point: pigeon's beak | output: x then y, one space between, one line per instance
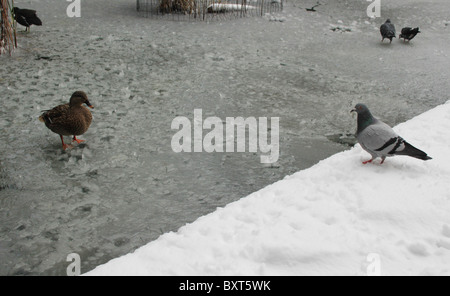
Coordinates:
353 110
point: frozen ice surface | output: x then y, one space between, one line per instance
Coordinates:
124 186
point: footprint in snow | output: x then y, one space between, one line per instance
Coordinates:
446 231
418 249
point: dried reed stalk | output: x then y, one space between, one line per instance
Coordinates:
7 38
209 9
186 6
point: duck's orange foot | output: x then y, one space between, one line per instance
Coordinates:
65 146
77 140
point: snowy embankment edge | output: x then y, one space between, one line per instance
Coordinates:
325 220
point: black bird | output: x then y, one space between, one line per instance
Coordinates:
313 9
26 17
409 33
387 30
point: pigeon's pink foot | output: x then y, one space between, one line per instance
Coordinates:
382 161
366 162
77 140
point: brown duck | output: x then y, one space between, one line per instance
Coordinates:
69 119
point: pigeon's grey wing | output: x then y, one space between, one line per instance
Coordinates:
383 30
380 139
387 30
392 28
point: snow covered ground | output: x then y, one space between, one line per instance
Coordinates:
331 219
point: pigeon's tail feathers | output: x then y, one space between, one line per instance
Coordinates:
390 33
412 151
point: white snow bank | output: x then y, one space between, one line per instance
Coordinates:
325 220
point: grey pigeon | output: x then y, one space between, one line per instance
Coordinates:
387 30
380 140
409 33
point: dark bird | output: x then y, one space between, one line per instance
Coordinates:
387 30
70 119
26 17
409 33
380 140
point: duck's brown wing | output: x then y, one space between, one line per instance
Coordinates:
56 119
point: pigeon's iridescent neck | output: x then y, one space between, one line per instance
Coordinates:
364 120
